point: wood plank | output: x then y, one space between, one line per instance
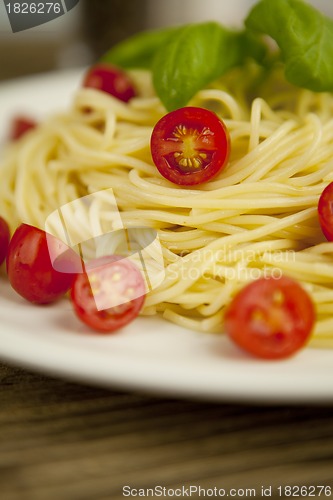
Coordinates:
64 440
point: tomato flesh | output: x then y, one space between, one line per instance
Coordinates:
190 145
20 126
110 79
109 295
271 318
325 212
4 239
29 267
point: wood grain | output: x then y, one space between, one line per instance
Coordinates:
60 440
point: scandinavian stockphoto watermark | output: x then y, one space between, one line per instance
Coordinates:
231 264
24 15
93 228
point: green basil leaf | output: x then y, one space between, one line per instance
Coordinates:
193 57
304 36
252 47
138 50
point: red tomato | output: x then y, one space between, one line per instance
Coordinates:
271 317
190 145
29 267
110 79
325 212
21 125
109 295
4 239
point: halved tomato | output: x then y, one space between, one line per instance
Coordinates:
271 317
30 269
110 294
20 126
190 145
325 212
110 79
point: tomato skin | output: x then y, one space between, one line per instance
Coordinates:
110 79
4 239
270 318
325 212
190 145
101 273
20 126
29 267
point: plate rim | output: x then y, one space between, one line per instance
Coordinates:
144 380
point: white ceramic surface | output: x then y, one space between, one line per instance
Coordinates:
150 354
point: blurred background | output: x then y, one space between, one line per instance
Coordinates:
79 37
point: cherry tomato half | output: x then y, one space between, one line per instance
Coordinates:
325 212
29 267
110 79
20 126
4 239
270 318
109 295
190 145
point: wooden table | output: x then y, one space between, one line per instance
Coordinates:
60 440
64 441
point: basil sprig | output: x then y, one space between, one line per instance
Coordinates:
138 51
192 58
304 36
185 59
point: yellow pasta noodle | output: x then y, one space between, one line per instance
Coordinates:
257 217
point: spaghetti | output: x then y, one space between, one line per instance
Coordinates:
257 217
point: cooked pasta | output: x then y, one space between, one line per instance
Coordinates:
257 217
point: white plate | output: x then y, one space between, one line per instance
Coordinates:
150 354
